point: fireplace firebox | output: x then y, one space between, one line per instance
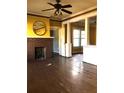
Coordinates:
40 53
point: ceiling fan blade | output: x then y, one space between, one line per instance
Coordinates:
69 12
51 4
66 6
48 9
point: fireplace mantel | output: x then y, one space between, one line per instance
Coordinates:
39 37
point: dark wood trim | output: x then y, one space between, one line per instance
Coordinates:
65 26
55 20
42 16
79 14
37 15
78 52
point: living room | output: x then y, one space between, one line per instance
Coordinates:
59 37
94 65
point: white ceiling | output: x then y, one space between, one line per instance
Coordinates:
36 6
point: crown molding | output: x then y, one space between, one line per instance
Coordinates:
32 14
37 15
80 13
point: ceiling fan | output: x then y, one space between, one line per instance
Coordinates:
59 8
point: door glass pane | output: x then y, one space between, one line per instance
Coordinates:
76 42
76 37
83 34
76 33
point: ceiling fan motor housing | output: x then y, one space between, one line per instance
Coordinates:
58 1
58 6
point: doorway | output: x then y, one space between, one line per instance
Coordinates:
55 33
78 36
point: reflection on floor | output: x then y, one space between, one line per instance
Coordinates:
62 75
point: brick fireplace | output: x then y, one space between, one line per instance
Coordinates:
39 48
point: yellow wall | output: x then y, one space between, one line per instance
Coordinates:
31 20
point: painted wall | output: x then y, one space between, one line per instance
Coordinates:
31 20
90 54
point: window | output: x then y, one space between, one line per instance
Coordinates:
78 38
83 40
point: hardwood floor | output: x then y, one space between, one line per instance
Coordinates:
61 75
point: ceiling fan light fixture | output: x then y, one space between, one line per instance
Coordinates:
58 12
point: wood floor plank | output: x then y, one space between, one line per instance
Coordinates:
61 75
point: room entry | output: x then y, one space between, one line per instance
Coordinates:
55 34
78 36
